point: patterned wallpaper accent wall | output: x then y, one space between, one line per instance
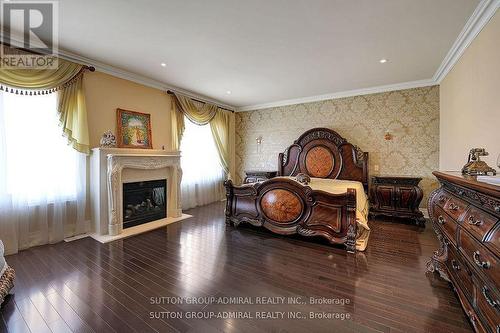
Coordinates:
411 116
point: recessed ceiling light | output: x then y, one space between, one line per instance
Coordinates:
228 92
163 64
383 61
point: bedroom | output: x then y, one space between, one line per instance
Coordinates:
262 166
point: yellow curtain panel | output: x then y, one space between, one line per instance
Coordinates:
66 79
218 119
220 131
177 119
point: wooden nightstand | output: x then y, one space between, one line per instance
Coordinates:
258 176
397 196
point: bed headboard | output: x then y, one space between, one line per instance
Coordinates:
323 153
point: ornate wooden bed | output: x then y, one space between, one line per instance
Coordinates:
285 206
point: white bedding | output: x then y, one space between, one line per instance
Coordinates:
337 186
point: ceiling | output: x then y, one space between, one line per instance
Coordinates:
266 50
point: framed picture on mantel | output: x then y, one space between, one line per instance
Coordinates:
134 129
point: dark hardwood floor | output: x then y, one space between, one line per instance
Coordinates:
85 286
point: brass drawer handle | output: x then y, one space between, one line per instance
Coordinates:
441 219
477 260
453 206
455 265
442 198
486 295
473 221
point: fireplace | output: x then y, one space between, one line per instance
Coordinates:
144 202
110 168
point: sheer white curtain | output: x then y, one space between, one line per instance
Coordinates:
202 173
42 179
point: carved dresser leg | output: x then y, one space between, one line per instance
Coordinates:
437 262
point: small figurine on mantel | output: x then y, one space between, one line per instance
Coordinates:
108 140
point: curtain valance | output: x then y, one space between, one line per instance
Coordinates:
200 115
207 113
67 79
40 81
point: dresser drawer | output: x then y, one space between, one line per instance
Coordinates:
455 207
460 273
478 222
488 304
479 256
447 224
473 267
441 199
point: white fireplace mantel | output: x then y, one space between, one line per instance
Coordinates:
118 162
112 167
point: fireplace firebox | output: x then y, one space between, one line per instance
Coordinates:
144 202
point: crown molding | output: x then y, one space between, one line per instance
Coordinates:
137 78
342 94
479 18
123 74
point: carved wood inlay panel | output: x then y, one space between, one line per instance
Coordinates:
281 205
319 162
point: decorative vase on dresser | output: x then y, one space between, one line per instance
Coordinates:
465 215
397 196
254 176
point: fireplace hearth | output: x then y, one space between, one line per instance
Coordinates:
144 202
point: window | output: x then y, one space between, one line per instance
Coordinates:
36 162
202 174
42 179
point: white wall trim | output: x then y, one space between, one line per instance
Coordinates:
481 16
342 94
478 20
124 74
137 78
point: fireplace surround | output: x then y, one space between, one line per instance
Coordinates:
111 168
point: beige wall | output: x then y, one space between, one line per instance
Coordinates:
412 116
470 101
105 93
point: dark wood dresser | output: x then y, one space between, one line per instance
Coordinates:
397 196
465 215
253 176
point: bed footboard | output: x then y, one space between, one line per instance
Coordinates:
286 207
